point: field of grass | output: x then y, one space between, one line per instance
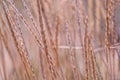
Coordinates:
59 39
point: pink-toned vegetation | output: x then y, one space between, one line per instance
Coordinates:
59 39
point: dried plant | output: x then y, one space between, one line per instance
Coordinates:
59 40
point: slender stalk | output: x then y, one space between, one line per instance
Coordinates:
3 58
49 58
72 55
19 45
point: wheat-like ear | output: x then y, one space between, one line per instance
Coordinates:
56 46
49 58
85 39
27 25
5 42
79 21
86 51
92 60
19 42
71 53
30 15
43 35
109 7
10 24
24 46
50 36
35 26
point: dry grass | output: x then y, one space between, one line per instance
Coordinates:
59 40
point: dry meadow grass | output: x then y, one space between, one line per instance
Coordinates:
59 39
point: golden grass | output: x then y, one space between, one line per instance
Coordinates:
59 40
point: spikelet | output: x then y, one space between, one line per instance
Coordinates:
79 19
49 58
35 26
6 43
37 38
85 42
23 45
107 34
86 51
19 40
92 60
50 36
71 53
